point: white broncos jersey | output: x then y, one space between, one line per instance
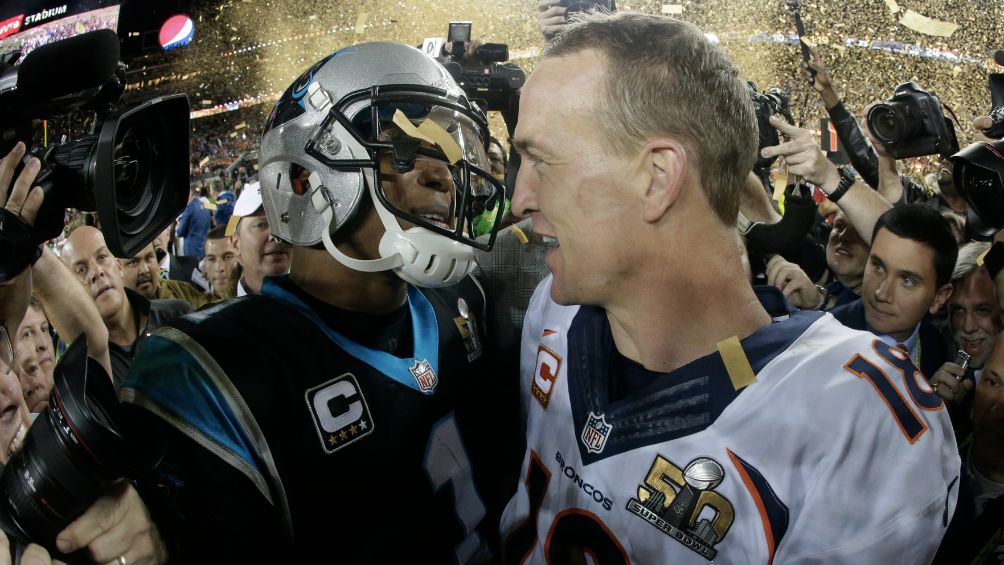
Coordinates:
839 452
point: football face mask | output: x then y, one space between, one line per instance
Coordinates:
407 133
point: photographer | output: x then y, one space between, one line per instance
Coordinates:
859 210
804 159
118 526
871 161
898 189
23 203
552 15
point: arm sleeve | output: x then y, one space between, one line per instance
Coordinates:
183 221
862 156
875 496
202 495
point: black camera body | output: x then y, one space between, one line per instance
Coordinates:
996 129
911 124
978 170
767 104
492 83
132 168
575 6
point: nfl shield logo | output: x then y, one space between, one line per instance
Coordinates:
596 432
424 376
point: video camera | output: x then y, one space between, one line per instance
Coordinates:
132 168
911 124
766 104
490 83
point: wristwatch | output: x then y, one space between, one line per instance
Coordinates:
847 178
826 296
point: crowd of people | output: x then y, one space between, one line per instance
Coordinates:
364 339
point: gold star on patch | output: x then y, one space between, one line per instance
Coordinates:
332 439
354 430
343 435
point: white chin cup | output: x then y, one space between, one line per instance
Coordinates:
427 258
419 256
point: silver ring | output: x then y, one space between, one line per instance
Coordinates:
121 560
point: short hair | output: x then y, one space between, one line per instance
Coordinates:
966 262
927 227
219 232
36 303
664 77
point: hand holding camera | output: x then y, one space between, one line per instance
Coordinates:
911 124
24 200
553 14
550 17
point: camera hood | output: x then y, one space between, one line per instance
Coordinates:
979 177
140 171
133 172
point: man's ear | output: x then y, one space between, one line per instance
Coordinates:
665 170
940 297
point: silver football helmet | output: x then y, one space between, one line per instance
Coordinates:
363 108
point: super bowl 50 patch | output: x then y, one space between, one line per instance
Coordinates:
468 327
672 501
339 411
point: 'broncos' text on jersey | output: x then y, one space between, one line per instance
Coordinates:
839 452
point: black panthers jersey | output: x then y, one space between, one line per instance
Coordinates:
289 440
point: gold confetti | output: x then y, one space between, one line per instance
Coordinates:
867 51
431 132
924 24
893 6
672 9
520 234
361 23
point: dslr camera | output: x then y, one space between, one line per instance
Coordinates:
82 443
489 82
766 104
131 168
911 124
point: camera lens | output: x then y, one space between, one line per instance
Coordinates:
72 453
135 159
894 122
886 123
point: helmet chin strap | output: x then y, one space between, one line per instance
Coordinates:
419 256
